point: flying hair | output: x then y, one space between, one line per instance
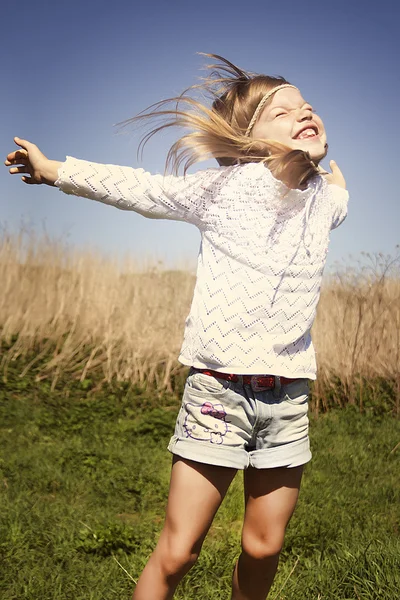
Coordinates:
217 116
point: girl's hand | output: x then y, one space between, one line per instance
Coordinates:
335 177
33 163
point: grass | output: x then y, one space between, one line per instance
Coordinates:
83 484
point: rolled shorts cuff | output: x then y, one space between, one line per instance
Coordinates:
290 455
222 457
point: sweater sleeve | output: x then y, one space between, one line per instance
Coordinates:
153 196
339 200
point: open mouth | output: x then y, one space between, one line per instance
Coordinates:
307 133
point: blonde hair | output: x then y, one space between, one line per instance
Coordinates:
219 130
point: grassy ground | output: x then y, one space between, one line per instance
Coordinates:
84 479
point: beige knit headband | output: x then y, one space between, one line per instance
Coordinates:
262 103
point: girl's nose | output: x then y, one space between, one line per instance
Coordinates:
305 113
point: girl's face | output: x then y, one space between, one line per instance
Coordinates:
289 119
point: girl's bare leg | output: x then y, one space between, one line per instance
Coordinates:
195 494
270 497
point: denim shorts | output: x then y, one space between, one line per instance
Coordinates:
228 424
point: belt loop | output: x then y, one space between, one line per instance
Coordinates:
277 387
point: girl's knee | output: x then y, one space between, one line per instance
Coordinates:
178 563
258 547
176 558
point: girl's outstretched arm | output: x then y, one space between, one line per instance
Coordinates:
154 196
32 163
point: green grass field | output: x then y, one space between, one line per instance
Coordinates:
84 480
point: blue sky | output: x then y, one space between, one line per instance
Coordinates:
72 70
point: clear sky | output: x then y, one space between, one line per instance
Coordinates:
71 70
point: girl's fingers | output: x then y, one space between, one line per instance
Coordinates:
19 170
26 161
29 180
337 174
17 156
23 143
16 161
335 177
335 168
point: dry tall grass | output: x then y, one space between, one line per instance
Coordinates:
357 329
85 315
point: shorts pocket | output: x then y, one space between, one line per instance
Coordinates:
199 383
297 392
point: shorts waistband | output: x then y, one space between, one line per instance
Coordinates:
256 382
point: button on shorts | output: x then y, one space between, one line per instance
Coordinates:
226 423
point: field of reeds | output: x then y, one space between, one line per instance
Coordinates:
94 319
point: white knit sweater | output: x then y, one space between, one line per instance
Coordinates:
262 255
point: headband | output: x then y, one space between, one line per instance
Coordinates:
262 103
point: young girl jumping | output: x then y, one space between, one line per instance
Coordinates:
265 215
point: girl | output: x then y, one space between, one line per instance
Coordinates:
265 216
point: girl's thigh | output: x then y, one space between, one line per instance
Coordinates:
195 494
270 499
